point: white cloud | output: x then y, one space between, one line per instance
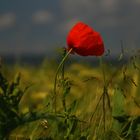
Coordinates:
42 17
7 20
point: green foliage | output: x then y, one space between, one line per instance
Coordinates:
125 126
92 109
10 96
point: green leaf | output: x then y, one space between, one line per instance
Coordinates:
118 103
17 79
66 89
118 112
3 83
73 125
72 107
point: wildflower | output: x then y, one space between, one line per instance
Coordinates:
85 41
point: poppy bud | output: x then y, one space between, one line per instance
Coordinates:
85 41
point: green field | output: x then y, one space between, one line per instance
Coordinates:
91 102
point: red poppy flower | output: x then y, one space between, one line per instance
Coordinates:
85 41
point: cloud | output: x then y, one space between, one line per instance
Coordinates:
137 1
101 13
7 20
115 19
104 14
88 7
77 8
108 5
42 17
65 26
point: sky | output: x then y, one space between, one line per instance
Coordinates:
41 26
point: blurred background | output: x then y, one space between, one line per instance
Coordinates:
39 27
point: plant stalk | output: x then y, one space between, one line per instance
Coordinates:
57 71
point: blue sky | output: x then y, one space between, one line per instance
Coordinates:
41 26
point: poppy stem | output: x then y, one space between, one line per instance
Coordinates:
57 71
63 65
63 79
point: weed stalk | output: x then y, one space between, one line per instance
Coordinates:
56 75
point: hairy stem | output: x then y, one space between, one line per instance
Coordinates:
57 71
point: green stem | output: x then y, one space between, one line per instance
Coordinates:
104 113
57 71
63 78
63 65
95 109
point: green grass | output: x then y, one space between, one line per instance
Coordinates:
77 115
